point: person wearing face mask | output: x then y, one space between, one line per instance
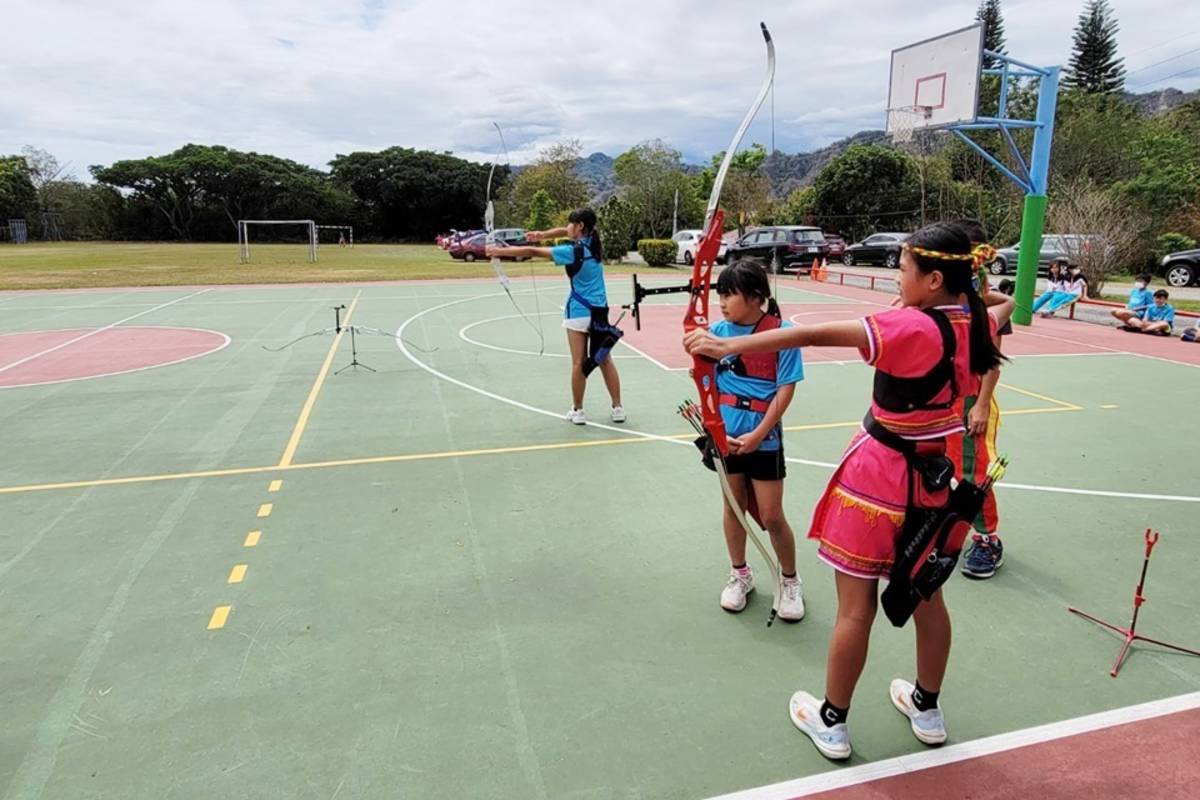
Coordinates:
1074 289
1140 299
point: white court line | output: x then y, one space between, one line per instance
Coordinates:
134 369
657 437
263 301
951 754
91 333
462 334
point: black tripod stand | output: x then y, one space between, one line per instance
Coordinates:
355 330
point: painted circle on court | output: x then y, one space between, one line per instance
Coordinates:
35 358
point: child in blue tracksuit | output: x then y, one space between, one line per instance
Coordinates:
754 391
1158 319
1140 298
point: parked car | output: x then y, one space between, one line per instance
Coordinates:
512 236
837 245
781 247
1056 247
475 248
1182 268
687 241
878 248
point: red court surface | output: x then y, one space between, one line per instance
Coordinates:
31 358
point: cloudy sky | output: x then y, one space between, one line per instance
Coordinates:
100 81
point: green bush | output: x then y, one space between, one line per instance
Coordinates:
1172 243
563 240
656 252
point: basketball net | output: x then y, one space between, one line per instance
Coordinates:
904 121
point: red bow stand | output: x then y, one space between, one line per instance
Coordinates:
1131 633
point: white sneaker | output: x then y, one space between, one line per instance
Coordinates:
733 596
576 416
928 726
618 414
791 605
832 740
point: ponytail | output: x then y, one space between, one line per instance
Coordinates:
773 308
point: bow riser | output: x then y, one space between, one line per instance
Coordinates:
704 371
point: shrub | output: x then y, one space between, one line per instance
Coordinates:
1172 243
656 252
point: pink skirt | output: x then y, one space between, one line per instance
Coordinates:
857 519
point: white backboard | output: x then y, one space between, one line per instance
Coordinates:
939 74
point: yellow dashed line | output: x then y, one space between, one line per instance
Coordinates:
1110 406
275 486
237 574
265 509
252 539
219 615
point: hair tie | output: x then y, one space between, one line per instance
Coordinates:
983 254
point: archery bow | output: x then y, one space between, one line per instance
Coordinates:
704 369
489 224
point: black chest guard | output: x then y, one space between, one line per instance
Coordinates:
916 394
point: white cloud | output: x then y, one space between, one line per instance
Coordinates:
306 80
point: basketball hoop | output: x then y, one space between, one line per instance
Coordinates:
904 121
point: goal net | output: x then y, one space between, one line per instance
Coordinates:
308 227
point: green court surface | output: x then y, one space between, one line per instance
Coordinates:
243 576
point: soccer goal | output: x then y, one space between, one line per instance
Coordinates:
342 234
309 227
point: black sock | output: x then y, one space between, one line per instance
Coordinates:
923 699
832 715
789 577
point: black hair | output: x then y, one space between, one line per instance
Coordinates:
974 230
1145 278
1057 266
747 278
951 239
1007 286
587 218
1163 293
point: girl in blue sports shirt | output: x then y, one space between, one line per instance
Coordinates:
755 390
587 299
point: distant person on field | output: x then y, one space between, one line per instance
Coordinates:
341 240
1158 319
1140 298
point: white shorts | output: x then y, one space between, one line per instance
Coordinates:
581 324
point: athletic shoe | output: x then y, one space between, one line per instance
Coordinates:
618 414
928 726
791 605
832 740
576 416
739 587
984 558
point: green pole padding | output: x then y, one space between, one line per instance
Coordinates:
1032 225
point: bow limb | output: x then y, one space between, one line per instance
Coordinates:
489 224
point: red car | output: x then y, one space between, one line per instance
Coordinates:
837 245
473 248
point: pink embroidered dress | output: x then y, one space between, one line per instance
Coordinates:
860 513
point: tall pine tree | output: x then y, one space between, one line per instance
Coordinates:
1095 67
993 30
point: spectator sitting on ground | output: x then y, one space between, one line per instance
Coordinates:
1140 298
1056 284
1159 318
1074 289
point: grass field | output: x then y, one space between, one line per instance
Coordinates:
75 265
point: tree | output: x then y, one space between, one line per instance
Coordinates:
617 220
1094 67
993 31
650 174
1085 208
165 181
866 188
1093 139
746 192
1169 175
554 173
541 211
18 196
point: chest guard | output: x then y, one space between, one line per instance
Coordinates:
763 366
899 395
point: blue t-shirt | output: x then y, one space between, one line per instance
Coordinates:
1139 299
1164 313
790 369
588 282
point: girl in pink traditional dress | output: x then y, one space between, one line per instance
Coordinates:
925 354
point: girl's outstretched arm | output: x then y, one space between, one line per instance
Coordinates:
553 233
849 333
524 251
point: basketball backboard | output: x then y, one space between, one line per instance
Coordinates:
935 83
